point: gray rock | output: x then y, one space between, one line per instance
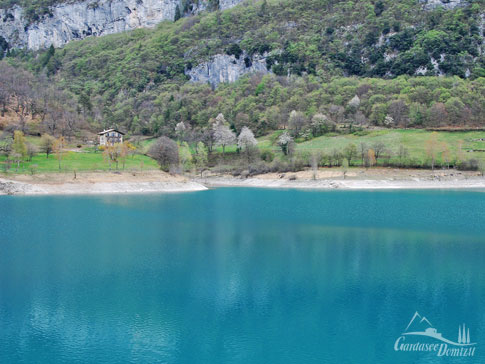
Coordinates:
70 21
447 4
223 68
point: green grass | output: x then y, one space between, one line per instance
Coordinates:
412 139
79 161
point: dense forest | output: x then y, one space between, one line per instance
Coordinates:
352 62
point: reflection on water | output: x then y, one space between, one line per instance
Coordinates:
236 275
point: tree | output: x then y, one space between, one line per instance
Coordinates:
31 151
177 13
296 122
389 121
126 148
185 156
363 152
481 167
47 144
350 152
223 135
345 167
165 151
112 153
320 124
201 157
446 154
402 154
314 157
432 148
399 112
58 148
180 130
285 141
353 104
438 116
19 147
459 156
247 142
371 157
378 148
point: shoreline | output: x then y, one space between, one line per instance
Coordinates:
90 183
333 184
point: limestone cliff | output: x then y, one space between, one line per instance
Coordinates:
224 68
70 21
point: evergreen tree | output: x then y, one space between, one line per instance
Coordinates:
177 13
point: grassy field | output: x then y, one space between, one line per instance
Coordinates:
79 161
415 141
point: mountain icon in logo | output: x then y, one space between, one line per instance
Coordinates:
418 323
421 326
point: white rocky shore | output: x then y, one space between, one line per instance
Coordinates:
8 187
96 183
160 182
475 183
356 178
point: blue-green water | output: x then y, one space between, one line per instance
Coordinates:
238 276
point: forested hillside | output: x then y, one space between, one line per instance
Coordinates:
354 62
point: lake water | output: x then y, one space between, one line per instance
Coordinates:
239 276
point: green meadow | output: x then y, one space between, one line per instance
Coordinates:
415 141
463 146
79 161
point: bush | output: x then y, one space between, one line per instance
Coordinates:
468 165
267 156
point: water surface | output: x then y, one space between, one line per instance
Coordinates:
238 276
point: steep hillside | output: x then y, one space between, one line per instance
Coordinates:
147 80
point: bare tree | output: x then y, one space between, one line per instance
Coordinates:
47 144
363 152
59 148
402 154
166 152
350 152
379 148
399 112
432 148
32 150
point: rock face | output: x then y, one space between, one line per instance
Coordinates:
223 68
78 20
447 4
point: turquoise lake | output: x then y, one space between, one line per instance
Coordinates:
239 276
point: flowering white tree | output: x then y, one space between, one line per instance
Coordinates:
296 122
354 103
246 141
220 119
389 120
319 124
285 141
180 129
223 135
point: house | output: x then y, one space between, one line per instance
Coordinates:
110 137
